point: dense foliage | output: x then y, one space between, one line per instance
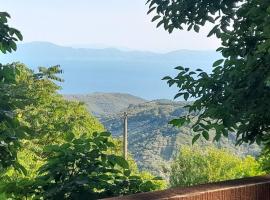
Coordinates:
17 93
196 165
53 148
8 35
154 143
42 115
236 95
10 129
82 169
71 133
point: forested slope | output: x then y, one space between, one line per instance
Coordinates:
103 104
152 141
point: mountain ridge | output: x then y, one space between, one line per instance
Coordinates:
106 104
109 70
110 48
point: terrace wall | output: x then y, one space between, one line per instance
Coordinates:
254 188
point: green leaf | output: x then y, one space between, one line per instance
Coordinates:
211 19
190 27
196 28
205 135
179 68
225 132
105 134
19 35
195 138
170 82
217 137
127 172
167 78
186 69
147 2
69 136
155 18
218 62
21 168
191 73
178 122
170 29
178 95
186 96
121 162
213 31
157 178
4 14
150 10
160 23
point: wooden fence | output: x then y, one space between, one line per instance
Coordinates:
254 188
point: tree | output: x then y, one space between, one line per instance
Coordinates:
17 87
8 94
196 165
74 135
8 35
43 117
235 96
78 163
82 169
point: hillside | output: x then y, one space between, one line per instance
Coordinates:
153 142
104 104
88 70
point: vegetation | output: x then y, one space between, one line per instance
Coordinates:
196 165
104 104
81 169
76 148
10 129
154 143
50 119
53 148
9 35
235 96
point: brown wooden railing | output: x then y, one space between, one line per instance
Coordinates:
254 188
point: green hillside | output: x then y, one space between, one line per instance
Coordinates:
103 104
152 141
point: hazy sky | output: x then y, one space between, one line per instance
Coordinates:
116 23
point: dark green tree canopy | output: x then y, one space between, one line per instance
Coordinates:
8 35
8 123
236 95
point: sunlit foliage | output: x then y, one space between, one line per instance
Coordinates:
195 165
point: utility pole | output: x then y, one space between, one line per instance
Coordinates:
125 136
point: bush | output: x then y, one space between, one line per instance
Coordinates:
196 165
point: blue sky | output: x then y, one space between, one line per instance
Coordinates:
99 23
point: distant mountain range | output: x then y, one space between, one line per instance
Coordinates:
108 70
152 141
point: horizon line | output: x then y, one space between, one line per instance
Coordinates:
122 49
